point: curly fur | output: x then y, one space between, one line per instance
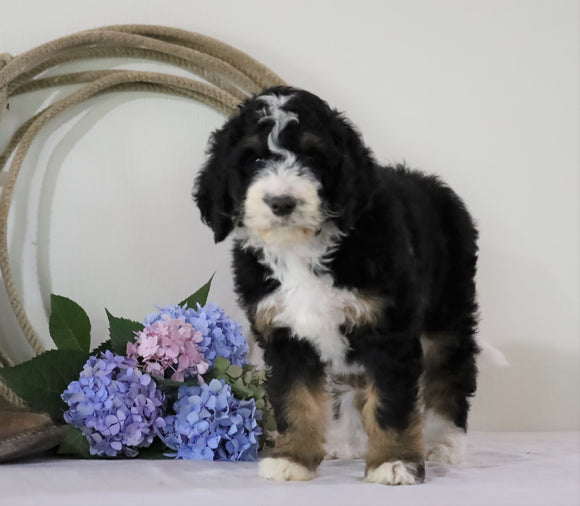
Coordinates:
345 267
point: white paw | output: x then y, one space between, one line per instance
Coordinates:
444 442
448 452
345 444
281 469
393 473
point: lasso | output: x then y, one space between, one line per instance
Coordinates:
229 76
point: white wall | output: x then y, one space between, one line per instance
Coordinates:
484 93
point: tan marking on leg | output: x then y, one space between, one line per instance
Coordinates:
434 347
306 414
435 379
444 441
390 445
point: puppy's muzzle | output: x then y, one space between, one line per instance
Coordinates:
281 205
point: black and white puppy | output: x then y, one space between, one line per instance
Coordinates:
351 270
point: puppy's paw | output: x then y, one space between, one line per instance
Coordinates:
280 469
444 441
396 473
445 453
350 448
448 450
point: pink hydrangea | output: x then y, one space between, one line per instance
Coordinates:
169 348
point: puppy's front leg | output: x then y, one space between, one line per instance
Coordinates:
391 415
296 387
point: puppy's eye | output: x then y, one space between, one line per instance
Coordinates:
251 159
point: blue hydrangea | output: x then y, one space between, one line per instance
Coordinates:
222 336
116 406
211 424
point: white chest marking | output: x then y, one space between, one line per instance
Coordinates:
311 307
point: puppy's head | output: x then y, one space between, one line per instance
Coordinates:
284 166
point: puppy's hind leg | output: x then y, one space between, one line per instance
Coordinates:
449 381
392 416
449 346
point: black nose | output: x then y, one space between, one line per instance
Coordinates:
282 205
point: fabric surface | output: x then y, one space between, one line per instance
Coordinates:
501 469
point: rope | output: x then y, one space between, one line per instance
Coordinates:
227 75
5 360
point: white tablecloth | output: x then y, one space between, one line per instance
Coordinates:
501 469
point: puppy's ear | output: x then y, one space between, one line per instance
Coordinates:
218 187
356 168
212 194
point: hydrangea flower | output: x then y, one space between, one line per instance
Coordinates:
222 336
211 424
116 406
169 347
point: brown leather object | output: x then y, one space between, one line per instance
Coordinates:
26 433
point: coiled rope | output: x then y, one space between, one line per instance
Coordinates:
229 76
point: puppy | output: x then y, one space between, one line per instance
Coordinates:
351 270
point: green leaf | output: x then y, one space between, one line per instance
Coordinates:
155 451
102 347
221 364
199 297
74 443
244 393
42 380
234 371
172 384
122 331
270 423
69 325
240 390
214 373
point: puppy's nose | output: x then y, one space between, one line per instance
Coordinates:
281 205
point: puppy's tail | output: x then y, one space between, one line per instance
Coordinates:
490 356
